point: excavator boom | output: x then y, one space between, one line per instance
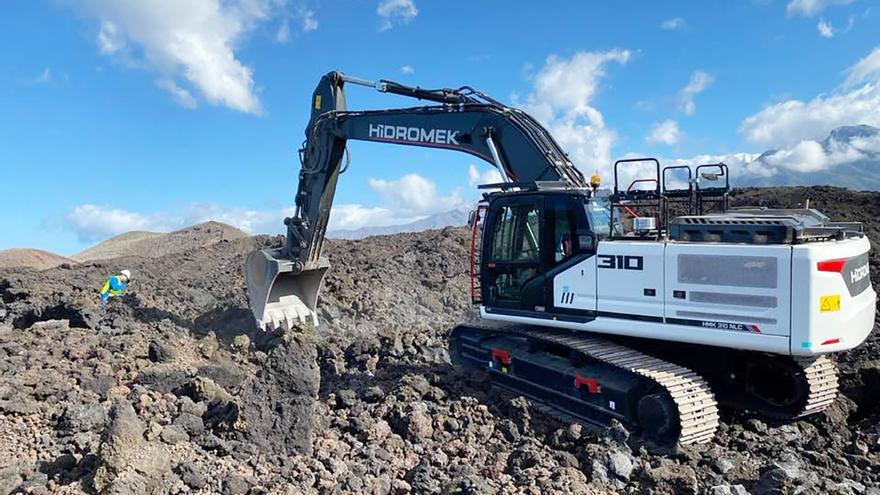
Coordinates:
283 284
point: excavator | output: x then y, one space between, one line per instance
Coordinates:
652 303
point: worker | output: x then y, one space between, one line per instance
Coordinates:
115 286
563 248
563 237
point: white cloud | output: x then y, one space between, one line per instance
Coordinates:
356 216
283 34
792 121
731 159
306 19
699 81
809 8
404 200
826 30
812 156
407 69
309 23
92 222
740 164
110 40
666 132
181 95
562 100
412 192
672 24
804 156
191 43
866 69
850 23
487 176
249 220
789 122
395 12
42 78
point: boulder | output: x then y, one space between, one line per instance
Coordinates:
82 418
128 462
277 404
620 464
161 352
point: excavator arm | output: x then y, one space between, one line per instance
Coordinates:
283 284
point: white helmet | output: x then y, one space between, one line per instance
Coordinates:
126 274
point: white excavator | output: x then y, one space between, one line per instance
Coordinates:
650 304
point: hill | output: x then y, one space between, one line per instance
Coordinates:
31 258
115 246
154 244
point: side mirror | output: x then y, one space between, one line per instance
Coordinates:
473 217
586 242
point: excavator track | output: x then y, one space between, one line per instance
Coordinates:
667 385
698 412
773 386
822 381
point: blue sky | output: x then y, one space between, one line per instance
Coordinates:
152 114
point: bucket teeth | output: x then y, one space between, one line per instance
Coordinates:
288 314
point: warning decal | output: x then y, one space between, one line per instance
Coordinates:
829 303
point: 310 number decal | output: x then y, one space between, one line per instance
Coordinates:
621 262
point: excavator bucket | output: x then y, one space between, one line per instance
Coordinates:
281 296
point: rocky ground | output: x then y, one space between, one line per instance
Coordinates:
173 390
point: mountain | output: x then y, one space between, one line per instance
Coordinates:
154 244
31 258
452 218
849 157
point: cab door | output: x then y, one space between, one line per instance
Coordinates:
512 253
571 268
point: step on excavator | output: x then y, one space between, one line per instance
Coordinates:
652 303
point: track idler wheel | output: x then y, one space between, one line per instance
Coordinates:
658 418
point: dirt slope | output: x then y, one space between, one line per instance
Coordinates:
116 246
31 258
177 370
154 244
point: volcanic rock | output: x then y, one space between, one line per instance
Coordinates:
177 374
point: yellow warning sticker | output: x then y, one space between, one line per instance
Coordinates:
317 102
829 303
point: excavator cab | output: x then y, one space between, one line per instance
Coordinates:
529 236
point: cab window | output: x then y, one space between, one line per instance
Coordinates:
599 211
517 235
516 250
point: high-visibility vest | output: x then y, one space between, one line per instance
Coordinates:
113 287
